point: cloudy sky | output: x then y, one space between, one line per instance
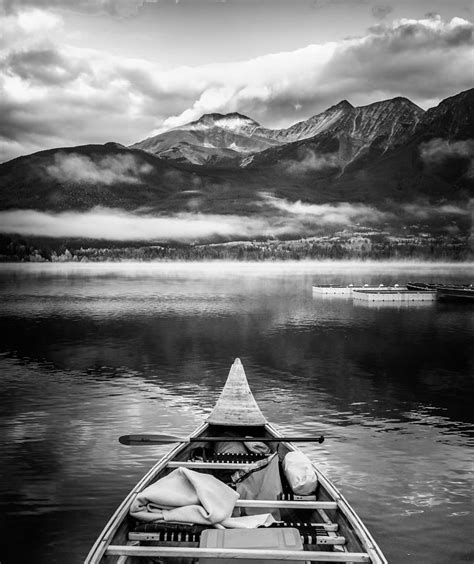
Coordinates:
92 71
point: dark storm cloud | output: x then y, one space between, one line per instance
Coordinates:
381 12
43 65
18 122
413 58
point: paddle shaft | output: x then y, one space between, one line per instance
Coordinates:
166 439
259 439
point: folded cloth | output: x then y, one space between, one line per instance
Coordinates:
257 447
185 496
231 447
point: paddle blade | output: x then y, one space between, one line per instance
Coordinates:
142 439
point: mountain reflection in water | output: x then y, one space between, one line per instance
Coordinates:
91 352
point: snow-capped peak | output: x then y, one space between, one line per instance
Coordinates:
235 122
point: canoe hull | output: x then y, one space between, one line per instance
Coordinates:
340 534
464 295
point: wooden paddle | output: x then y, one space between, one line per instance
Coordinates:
166 439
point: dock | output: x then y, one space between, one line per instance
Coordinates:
336 290
411 293
392 295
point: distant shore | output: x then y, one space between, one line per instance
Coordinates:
344 245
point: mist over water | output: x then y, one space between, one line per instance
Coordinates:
91 352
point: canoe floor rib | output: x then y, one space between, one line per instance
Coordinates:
325 518
239 554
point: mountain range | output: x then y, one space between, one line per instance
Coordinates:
383 154
235 139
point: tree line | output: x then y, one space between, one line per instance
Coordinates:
19 249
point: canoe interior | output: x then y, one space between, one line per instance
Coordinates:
348 525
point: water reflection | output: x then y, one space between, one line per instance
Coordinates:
91 353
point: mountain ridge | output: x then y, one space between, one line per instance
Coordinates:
214 135
430 160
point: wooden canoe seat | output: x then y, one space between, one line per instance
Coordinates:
308 536
247 457
206 460
196 530
201 465
223 460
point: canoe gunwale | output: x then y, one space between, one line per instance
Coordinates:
369 544
99 548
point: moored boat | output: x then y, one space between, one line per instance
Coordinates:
301 525
455 294
434 286
422 286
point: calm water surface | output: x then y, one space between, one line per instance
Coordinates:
91 352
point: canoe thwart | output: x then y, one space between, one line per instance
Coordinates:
238 554
212 465
283 504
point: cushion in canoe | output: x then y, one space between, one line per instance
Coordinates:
262 539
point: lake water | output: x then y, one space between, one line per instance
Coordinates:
91 352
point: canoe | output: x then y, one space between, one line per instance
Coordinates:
433 287
329 529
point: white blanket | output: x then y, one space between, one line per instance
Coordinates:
185 496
